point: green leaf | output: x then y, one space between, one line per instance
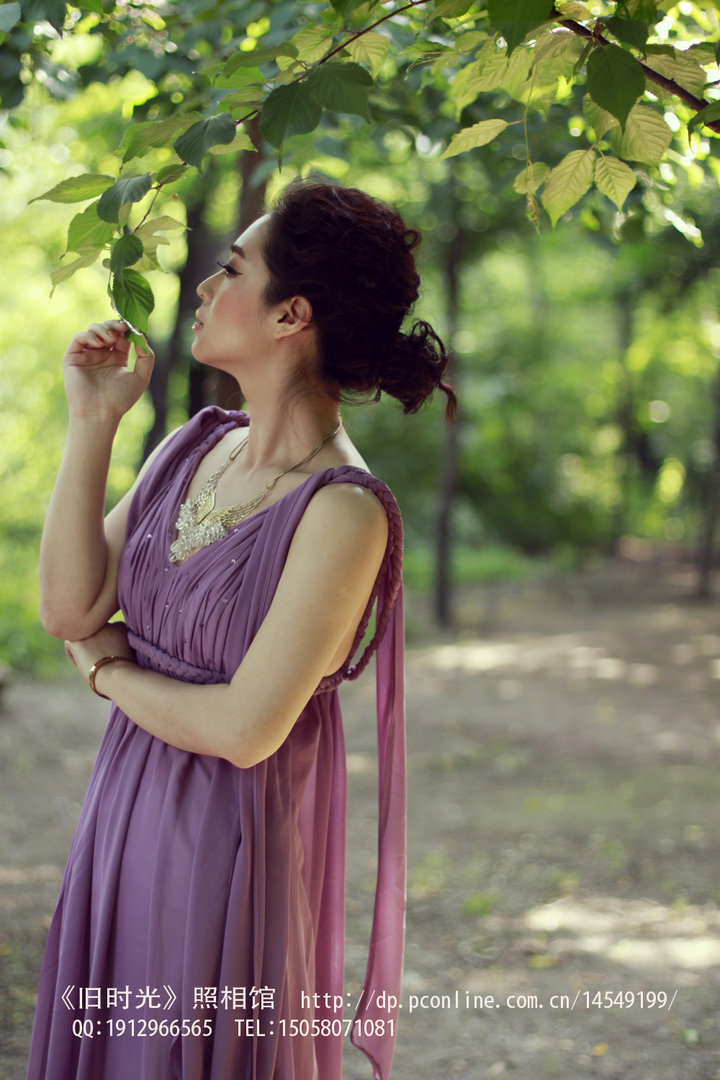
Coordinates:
477 135
289 110
128 189
86 259
502 12
705 116
133 298
152 234
485 74
644 10
170 173
598 119
139 138
251 99
125 251
240 143
575 10
164 223
631 31
193 144
9 16
77 188
346 7
556 42
256 57
241 77
646 137
530 179
568 182
52 11
491 70
342 87
370 49
614 178
683 66
514 19
87 230
470 40
312 43
451 9
615 80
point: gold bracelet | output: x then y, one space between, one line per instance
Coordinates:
96 667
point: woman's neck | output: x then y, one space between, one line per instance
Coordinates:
283 429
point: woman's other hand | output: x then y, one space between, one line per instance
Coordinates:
98 379
111 640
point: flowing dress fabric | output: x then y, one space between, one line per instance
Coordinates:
218 887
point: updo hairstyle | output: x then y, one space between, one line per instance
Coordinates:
352 257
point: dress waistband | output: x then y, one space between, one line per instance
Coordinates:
152 656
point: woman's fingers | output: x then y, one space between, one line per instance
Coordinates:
106 335
144 360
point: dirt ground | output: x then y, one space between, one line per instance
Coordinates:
564 833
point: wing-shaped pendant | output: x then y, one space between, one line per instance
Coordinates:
205 506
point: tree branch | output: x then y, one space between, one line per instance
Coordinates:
670 85
361 33
343 45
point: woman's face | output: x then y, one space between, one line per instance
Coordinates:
233 322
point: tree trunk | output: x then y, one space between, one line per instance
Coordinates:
452 261
625 418
711 507
171 355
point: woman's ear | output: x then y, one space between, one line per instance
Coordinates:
294 314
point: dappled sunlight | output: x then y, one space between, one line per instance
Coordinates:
27 875
569 655
639 934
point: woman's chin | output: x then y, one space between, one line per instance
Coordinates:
200 354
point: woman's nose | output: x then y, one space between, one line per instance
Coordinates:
205 288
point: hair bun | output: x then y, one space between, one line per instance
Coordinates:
414 367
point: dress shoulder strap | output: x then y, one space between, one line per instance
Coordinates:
388 584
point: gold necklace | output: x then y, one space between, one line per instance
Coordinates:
200 522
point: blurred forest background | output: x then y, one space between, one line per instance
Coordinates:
586 356
563 814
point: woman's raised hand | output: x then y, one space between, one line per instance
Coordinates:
98 379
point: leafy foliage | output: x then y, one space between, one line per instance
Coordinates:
570 435
296 67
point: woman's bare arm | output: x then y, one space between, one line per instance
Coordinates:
81 548
330 571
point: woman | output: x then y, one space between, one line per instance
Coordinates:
204 894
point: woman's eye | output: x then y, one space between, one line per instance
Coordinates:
229 270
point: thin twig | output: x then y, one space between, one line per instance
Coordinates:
343 45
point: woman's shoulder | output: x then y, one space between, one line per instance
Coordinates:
352 496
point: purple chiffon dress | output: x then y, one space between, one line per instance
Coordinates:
199 931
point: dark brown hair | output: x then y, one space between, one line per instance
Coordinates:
352 257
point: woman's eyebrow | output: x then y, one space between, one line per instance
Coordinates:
237 250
